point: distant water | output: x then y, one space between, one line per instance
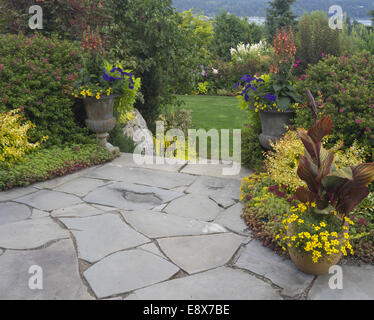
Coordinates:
261 20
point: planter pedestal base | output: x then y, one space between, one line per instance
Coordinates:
103 141
264 140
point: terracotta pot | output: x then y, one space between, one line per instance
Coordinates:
304 262
100 118
273 125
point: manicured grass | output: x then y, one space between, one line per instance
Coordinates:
215 112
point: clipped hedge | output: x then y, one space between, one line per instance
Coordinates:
37 74
343 88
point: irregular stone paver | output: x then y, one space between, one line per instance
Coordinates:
80 186
151 247
217 170
49 200
146 177
125 271
130 196
12 212
216 187
157 224
230 218
30 234
219 284
78 211
280 270
199 253
16 193
54 183
358 284
224 202
98 236
37 214
150 162
194 206
61 280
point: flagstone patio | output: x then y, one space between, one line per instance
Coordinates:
128 231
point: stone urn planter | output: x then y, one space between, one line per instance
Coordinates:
100 119
273 125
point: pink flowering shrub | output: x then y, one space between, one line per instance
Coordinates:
37 75
345 90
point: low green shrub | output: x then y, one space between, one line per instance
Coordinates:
55 161
37 74
252 152
343 87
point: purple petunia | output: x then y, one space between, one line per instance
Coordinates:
270 97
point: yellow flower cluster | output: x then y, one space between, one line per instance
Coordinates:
248 183
258 106
319 243
88 93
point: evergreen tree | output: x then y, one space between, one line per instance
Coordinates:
278 16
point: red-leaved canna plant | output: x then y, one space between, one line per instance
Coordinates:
332 190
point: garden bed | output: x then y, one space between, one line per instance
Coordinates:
49 163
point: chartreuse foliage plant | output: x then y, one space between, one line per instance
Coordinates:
14 140
320 225
282 162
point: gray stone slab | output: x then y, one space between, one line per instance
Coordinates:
54 183
194 206
280 270
199 253
219 284
216 187
150 162
358 284
16 193
99 236
151 247
80 186
37 214
167 180
231 219
130 196
158 225
78 211
217 170
61 280
223 202
125 271
46 200
13 212
30 234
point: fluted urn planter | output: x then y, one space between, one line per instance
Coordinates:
273 125
100 119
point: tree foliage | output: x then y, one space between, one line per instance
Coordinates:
279 16
230 30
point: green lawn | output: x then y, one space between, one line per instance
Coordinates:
215 112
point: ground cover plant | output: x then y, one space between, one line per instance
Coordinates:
49 163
